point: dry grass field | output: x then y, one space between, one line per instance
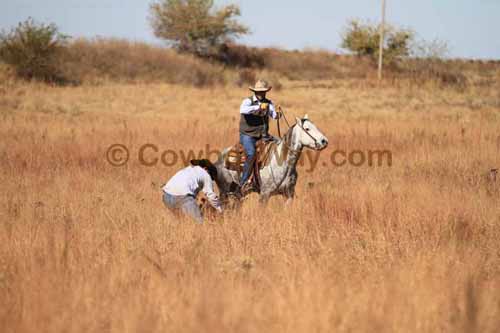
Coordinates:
89 247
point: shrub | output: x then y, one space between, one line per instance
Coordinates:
194 26
363 39
433 49
33 49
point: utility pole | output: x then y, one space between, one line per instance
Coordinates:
381 46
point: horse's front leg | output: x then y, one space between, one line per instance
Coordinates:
264 198
289 192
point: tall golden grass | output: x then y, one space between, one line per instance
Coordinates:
88 247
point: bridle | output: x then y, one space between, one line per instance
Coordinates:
312 137
299 125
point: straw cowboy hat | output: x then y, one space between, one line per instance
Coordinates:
261 86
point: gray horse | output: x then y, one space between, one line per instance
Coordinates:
279 174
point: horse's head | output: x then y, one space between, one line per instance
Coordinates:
308 135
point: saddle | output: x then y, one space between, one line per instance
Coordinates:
236 157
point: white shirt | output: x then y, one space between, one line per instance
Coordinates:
247 107
189 181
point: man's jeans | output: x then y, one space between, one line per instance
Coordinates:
248 143
185 203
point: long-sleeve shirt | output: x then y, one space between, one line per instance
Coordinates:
251 105
190 181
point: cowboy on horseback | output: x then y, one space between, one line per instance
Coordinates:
254 125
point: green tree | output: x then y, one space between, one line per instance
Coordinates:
32 49
194 26
363 39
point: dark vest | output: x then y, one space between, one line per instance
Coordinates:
254 125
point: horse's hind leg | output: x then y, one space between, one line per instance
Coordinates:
223 196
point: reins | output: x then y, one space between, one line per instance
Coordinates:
278 121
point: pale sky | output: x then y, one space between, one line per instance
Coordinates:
471 27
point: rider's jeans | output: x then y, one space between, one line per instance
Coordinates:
248 143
